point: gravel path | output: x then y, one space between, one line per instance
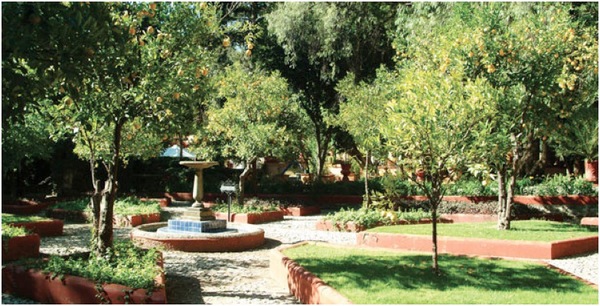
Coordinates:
243 278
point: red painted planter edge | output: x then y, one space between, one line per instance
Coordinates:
47 228
304 285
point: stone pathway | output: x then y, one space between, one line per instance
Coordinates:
243 277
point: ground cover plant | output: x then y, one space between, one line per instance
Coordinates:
368 218
10 218
252 205
529 230
123 264
9 231
123 206
384 277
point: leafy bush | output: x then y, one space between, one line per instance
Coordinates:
123 206
73 205
135 206
561 185
252 205
369 218
9 231
471 187
10 218
125 264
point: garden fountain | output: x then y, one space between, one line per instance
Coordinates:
198 230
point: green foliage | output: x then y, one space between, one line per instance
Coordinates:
259 117
123 206
73 205
11 218
369 218
124 264
9 231
406 278
135 206
471 187
253 205
557 185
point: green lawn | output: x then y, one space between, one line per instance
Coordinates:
383 277
531 230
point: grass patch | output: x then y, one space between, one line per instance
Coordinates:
382 277
10 218
530 230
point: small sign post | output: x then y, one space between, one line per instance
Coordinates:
229 187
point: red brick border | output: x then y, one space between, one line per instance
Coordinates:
46 228
304 285
481 247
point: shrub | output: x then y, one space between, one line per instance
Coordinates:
10 218
124 264
252 205
369 218
561 185
9 231
471 187
123 206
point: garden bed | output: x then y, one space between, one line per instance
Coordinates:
252 218
323 273
68 215
301 210
68 289
23 207
522 243
19 247
44 228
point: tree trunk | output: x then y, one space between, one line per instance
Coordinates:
503 221
243 178
436 267
367 195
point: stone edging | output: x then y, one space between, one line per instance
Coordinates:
45 228
304 285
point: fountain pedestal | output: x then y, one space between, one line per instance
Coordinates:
198 211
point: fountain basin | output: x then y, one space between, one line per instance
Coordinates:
236 238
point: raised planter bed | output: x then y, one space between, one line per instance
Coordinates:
252 218
304 285
41 287
469 218
20 247
589 221
23 207
481 247
163 202
180 196
135 220
47 228
301 210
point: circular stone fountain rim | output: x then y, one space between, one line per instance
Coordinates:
148 230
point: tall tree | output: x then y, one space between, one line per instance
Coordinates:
322 43
259 117
114 98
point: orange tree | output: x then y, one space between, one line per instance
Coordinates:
255 115
544 59
130 78
541 57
